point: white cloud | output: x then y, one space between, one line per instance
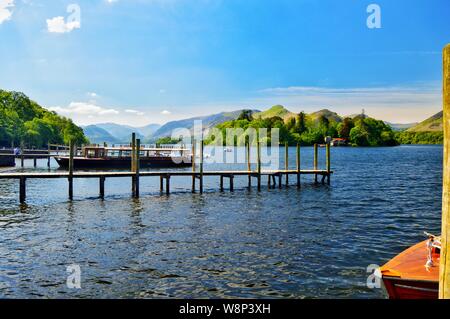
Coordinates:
5 12
134 112
111 1
85 109
92 94
166 112
58 25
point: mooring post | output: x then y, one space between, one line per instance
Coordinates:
48 153
71 151
268 181
286 162
328 155
102 186
167 184
161 183
258 155
444 274
193 165
249 166
201 164
316 157
22 156
298 165
231 183
22 189
221 183
133 154
137 167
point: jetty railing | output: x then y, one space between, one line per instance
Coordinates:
195 174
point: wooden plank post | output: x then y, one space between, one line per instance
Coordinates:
298 165
444 276
201 165
71 155
137 167
328 155
102 186
286 162
258 155
133 154
193 164
48 153
22 190
249 165
22 156
167 184
316 158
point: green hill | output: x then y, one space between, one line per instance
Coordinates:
24 121
432 124
274 111
331 116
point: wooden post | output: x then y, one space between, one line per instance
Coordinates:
48 158
167 184
102 186
221 183
137 167
201 165
71 149
193 165
298 165
22 156
444 276
328 163
286 162
316 157
249 165
258 154
34 161
231 183
161 183
133 154
22 190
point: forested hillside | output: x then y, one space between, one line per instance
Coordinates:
23 121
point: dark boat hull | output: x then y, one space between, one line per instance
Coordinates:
96 163
411 289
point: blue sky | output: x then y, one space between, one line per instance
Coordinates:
144 61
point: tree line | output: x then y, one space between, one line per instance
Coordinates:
24 123
305 130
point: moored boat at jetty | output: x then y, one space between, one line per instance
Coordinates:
120 157
414 273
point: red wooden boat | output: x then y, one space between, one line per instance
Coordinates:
414 273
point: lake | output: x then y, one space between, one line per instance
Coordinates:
315 242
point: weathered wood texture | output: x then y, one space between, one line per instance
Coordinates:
444 277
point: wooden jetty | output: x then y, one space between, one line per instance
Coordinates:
165 176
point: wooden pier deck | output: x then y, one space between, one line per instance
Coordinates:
274 177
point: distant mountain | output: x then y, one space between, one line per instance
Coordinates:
97 135
148 130
400 127
432 124
277 110
207 122
118 133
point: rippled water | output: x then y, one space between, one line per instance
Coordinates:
310 243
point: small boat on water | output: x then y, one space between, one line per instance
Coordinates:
414 273
120 157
